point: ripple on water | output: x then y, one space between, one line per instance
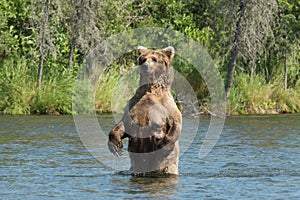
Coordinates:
257 157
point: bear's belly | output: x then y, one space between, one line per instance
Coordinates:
154 160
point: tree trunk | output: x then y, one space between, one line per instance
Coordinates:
234 50
40 70
285 71
267 64
70 60
42 44
253 70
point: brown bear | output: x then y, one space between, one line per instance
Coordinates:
151 119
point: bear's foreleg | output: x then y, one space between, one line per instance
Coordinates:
174 130
115 136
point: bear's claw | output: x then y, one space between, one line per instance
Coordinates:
114 149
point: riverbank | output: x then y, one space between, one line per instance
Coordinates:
19 93
44 45
54 100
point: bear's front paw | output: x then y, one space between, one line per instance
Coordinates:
158 138
115 146
114 149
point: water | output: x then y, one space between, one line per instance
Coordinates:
256 157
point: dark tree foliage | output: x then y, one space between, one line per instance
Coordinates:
255 44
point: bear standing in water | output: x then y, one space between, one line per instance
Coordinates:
151 119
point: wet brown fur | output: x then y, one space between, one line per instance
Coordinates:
151 119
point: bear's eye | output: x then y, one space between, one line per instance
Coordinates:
154 60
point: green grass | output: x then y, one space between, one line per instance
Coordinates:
19 93
115 89
255 96
17 89
54 97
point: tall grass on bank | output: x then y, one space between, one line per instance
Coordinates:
115 88
104 91
54 97
17 88
255 96
248 95
19 93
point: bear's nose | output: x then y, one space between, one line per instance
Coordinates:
142 61
145 68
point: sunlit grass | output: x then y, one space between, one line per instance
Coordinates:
19 93
255 96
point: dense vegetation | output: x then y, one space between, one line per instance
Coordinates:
255 44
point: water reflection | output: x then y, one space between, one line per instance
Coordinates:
159 187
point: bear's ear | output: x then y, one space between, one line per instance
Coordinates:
142 50
169 51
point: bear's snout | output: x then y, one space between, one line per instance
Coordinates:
145 68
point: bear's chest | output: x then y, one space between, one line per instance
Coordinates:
145 109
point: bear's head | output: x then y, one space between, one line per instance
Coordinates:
156 66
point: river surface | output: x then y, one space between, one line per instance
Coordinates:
256 157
